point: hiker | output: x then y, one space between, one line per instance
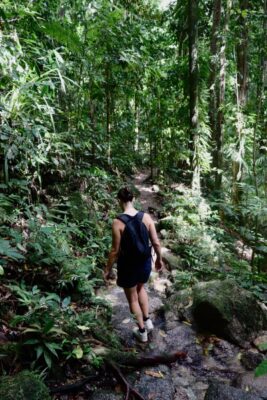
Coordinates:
131 232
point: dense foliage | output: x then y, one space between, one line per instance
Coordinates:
92 90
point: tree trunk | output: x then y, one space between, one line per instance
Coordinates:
220 96
193 91
241 99
108 111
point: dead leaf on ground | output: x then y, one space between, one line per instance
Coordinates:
155 374
162 333
126 321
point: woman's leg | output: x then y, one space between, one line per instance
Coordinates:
132 297
143 299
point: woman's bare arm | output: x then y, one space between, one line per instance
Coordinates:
155 243
113 254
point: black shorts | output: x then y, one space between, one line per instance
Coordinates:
130 275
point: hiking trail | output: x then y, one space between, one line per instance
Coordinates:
208 357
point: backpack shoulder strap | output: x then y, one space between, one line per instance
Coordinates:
139 216
124 218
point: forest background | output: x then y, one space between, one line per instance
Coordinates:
90 91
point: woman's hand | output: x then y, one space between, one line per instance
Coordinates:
106 274
159 264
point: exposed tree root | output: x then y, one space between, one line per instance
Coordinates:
128 388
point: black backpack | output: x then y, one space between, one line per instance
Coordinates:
135 239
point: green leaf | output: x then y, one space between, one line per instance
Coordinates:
39 351
66 302
263 346
1 270
261 369
83 327
63 34
32 341
48 359
78 352
53 347
8 251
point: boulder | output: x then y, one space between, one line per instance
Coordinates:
179 307
24 386
227 310
173 262
220 391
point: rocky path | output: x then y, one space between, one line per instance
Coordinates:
208 357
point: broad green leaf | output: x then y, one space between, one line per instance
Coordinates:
39 351
83 327
66 302
261 369
32 341
48 359
78 352
52 347
263 346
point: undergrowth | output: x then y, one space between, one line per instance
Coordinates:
52 258
208 246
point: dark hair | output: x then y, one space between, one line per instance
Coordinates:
125 195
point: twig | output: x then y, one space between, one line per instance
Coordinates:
121 379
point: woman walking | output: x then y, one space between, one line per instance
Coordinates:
131 232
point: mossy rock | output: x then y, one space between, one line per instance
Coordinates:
227 310
24 386
173 262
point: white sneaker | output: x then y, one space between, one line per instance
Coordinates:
149 325
142 337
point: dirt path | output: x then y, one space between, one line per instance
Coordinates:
148 198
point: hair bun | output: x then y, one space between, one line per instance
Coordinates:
125 194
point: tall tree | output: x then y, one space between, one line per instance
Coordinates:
241 97
193 91
221 12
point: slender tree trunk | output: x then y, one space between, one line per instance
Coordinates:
108 111
137 122
221 12
214 44
241 99
193 91
93 126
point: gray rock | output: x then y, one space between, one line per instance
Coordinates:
106 395
257 386
155 388
219 391
180 305
183 338
251 359
261 340
227 310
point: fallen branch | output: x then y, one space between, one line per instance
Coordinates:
130 360
157 359
129 389
74 386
